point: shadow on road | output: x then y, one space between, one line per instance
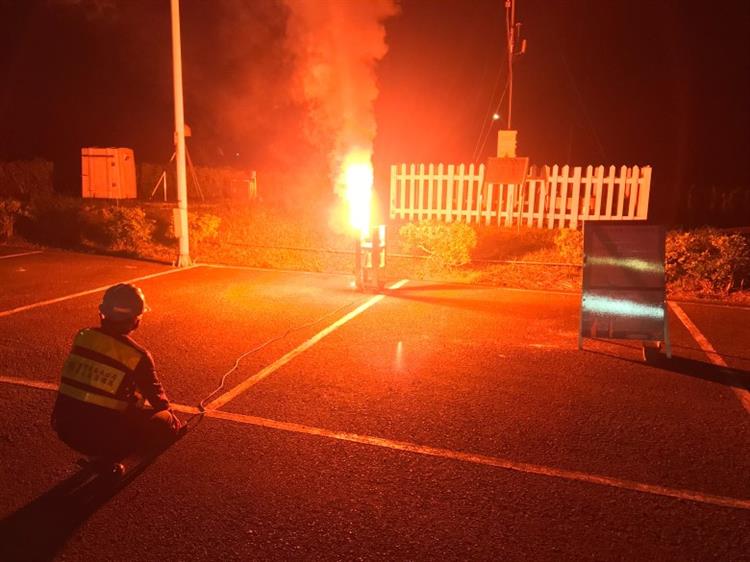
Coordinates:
421 294
39 530
727 376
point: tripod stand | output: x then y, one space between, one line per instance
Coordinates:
163 177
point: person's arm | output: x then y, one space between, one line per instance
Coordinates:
149 385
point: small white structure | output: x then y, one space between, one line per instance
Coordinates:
108 173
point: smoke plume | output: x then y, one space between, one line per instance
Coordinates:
336 45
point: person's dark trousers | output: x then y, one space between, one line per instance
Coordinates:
138 430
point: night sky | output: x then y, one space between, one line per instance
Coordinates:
657 82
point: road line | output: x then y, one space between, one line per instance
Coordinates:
709 350
746 308
276 365
31 384
88 292
507 464
21 254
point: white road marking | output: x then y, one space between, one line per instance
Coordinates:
709 350
716 305
26 382
21 254
486 460
276 365
88 292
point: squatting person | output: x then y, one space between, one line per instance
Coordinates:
100 409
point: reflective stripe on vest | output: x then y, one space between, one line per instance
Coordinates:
92 373
109 346
91 398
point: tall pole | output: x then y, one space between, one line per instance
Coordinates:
179 127
510 18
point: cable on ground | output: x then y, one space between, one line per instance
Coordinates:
202 404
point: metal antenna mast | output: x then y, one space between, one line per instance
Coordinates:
510 15
512 35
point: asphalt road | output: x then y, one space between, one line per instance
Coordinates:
434 422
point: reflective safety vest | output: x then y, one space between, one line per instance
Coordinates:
99 370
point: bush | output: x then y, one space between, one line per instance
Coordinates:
9 209
570 245
119 229
203 226
53 221
448 245
707 261
24 179
71 223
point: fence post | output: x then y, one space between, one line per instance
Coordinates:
564 196
420 193
470 194
552 197
532 202
575 203
412 189
392 210
460 203
587 192
402 188
622 183
502 203
480 193
449 194
633 191
610 192
599 183
440 182
430 182
644 192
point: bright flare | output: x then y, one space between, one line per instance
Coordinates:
358 178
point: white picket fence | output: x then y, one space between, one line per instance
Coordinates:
551 197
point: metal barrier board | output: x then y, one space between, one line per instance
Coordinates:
624 290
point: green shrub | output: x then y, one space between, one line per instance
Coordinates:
203 226
71 223
26 178
448 245
9 210
51 220
707 261
569 244
115 228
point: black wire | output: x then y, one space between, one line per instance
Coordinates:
489 129
202 404
487 118
484 133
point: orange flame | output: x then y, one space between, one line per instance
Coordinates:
357 177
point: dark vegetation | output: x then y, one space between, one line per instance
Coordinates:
703 262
